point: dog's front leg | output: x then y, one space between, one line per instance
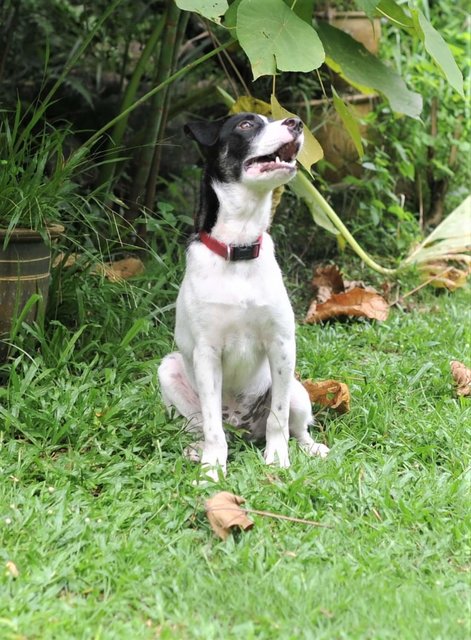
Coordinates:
208 376
281 356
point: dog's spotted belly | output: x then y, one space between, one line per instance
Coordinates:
248 413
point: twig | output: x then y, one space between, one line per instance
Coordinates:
421 201
420 286
269 514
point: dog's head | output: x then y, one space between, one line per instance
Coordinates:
250 149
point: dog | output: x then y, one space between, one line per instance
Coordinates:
235 329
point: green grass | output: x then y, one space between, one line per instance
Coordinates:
99 513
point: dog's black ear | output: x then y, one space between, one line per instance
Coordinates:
204 132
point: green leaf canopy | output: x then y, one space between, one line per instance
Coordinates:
274 37
211 9
439 51
350 58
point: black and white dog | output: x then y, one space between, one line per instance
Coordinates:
234 322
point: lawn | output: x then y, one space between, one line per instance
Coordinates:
100 516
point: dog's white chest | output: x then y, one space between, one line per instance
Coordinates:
237 308
240 296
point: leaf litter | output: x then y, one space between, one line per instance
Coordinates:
462 377
225 512
116 271
329 393
336 297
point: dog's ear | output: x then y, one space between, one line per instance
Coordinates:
204 132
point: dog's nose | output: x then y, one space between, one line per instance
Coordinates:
294 124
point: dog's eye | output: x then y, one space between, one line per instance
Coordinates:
246 124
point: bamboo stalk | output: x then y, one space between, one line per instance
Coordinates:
146 152
108 170
155 167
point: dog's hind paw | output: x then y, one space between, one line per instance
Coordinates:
315 449
194 451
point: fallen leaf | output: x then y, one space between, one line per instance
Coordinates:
358 284
115 271
121 269
329 393
65 260
12 569
441 275
327 281
462 376
450 238
224 512
356 302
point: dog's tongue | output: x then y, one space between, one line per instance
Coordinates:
268 166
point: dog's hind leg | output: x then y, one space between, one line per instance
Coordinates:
177 392
300 417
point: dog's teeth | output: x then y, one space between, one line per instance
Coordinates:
277 160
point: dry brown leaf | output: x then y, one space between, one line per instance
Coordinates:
114 271
327 281
121 269
65 260
358 284
12 569
462 376
329 393
356 302
224 512
442 275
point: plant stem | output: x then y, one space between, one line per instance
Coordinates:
342 229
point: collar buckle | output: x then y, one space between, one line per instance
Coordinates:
243 251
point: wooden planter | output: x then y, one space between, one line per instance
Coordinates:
24 271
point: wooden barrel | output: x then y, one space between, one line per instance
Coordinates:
24 271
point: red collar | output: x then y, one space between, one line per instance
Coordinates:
232 252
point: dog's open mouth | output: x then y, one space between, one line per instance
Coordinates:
283 158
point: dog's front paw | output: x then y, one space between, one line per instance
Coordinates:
276 452
213 461
213 473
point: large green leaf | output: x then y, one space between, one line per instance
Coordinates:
274 37
439 51
349 120
452 236
303 188
361 68
211 9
